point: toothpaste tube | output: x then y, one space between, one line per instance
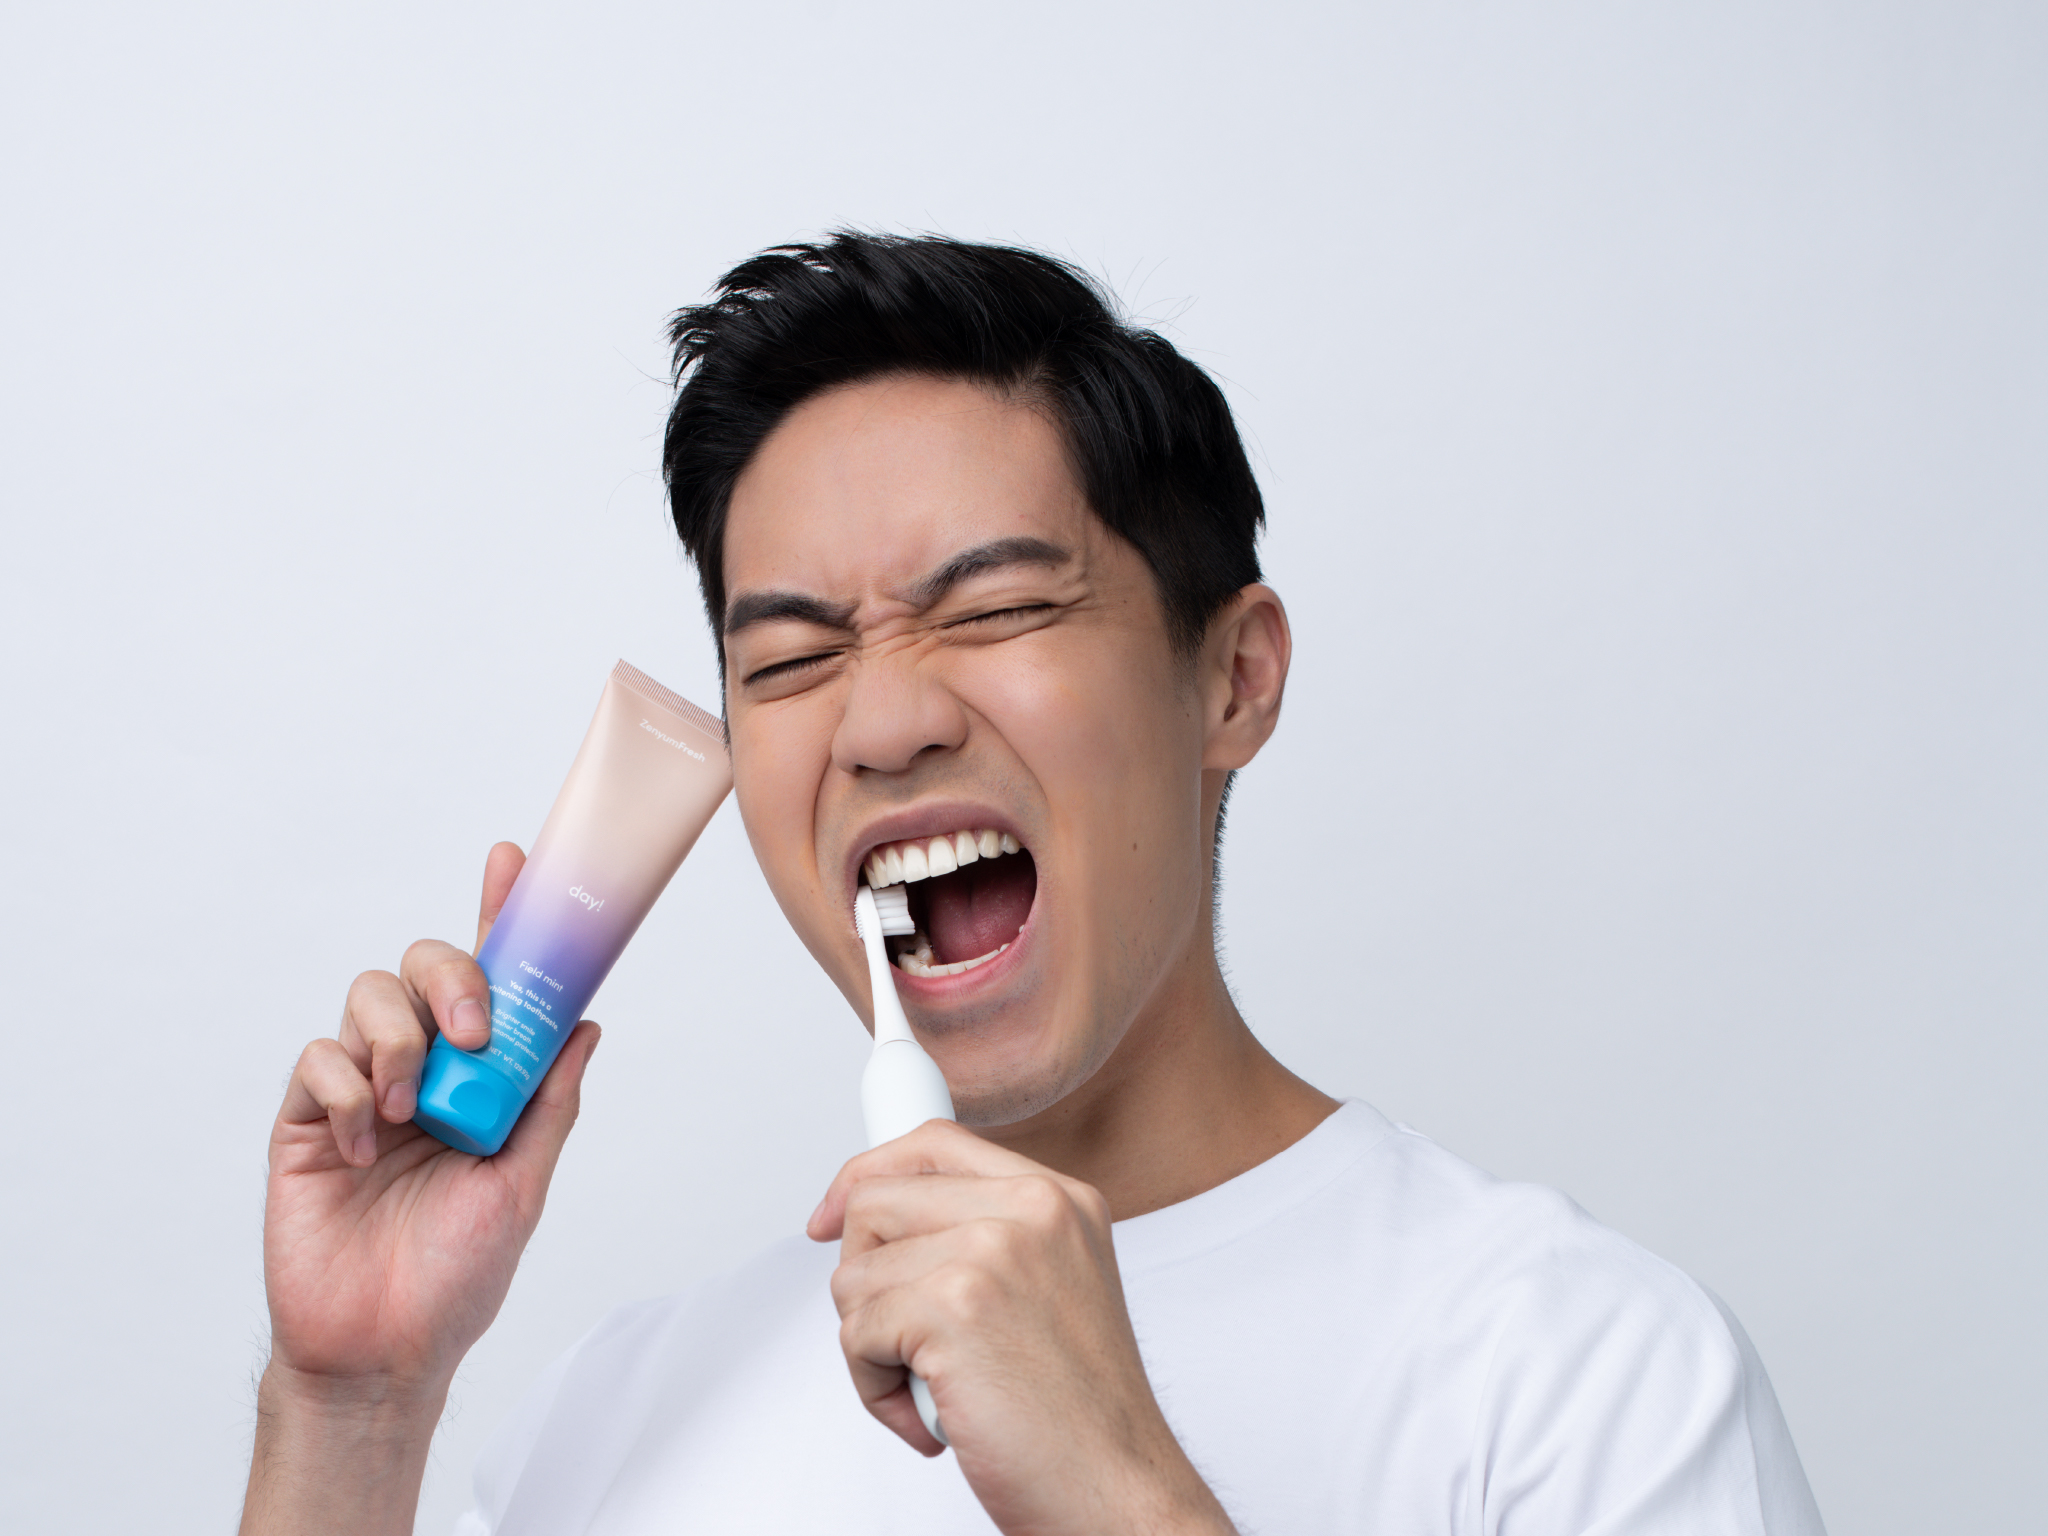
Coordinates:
652 769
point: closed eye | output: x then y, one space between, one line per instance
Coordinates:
788 668
1000 613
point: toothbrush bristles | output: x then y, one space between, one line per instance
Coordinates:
892 905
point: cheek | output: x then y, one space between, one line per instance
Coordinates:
1115 742
776 783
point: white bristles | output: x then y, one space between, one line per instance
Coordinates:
868 921
892 905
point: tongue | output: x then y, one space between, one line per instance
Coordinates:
979 908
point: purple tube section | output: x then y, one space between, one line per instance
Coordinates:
652 770
548 953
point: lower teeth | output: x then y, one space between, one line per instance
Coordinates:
918 961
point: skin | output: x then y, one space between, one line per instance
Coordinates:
928 631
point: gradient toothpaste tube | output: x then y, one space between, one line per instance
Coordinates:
651 771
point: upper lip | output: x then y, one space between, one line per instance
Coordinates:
928 820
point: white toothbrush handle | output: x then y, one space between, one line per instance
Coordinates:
927 1410
900 1090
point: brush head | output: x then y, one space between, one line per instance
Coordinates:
874 914
891 905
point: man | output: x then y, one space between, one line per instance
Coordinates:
981 564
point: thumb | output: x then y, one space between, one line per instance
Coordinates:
535 1145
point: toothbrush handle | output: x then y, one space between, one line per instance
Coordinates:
927 1410
901 1089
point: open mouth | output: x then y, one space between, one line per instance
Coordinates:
970 895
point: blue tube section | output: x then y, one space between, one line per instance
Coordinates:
549 951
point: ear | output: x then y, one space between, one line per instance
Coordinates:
1243 673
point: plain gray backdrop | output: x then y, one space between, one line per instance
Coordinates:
1650 404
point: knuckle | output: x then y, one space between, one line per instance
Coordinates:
968 1292
399 1041
367 988
852 1333
846 1287
990 1242
860 1203
454 972
330 1076
865 1164
322 1055
1044 1203
352 1103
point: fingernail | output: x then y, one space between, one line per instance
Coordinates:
400 1099
469 1018
366 1148
816 1214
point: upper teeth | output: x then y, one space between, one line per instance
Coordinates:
920 858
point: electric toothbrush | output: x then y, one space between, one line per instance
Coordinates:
902 1086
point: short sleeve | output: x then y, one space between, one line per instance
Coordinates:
1623 1400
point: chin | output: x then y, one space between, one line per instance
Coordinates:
993 1087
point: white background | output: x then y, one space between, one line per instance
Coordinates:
1650 402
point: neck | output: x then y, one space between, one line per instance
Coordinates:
1188 1100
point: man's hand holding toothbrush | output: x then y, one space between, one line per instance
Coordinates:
996 1280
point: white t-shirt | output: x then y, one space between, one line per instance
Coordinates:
1362 1334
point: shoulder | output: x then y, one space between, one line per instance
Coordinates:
1614 1385
1514 1249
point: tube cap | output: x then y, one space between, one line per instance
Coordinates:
464 1102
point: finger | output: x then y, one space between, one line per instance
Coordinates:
501 868
937 1146
860 1279
897 1411
383 1037
327 1086
454 998
535 1145
878 1346
891 1210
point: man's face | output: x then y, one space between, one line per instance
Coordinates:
929 634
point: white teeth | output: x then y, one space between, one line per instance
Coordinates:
904 862
896 863
919 964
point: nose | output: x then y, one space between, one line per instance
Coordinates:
895 712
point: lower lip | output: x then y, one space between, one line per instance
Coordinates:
950 989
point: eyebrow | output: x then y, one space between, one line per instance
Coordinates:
752 608
767 607
992 556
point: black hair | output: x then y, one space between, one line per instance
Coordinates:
1151 439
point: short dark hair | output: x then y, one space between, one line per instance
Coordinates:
1151 439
